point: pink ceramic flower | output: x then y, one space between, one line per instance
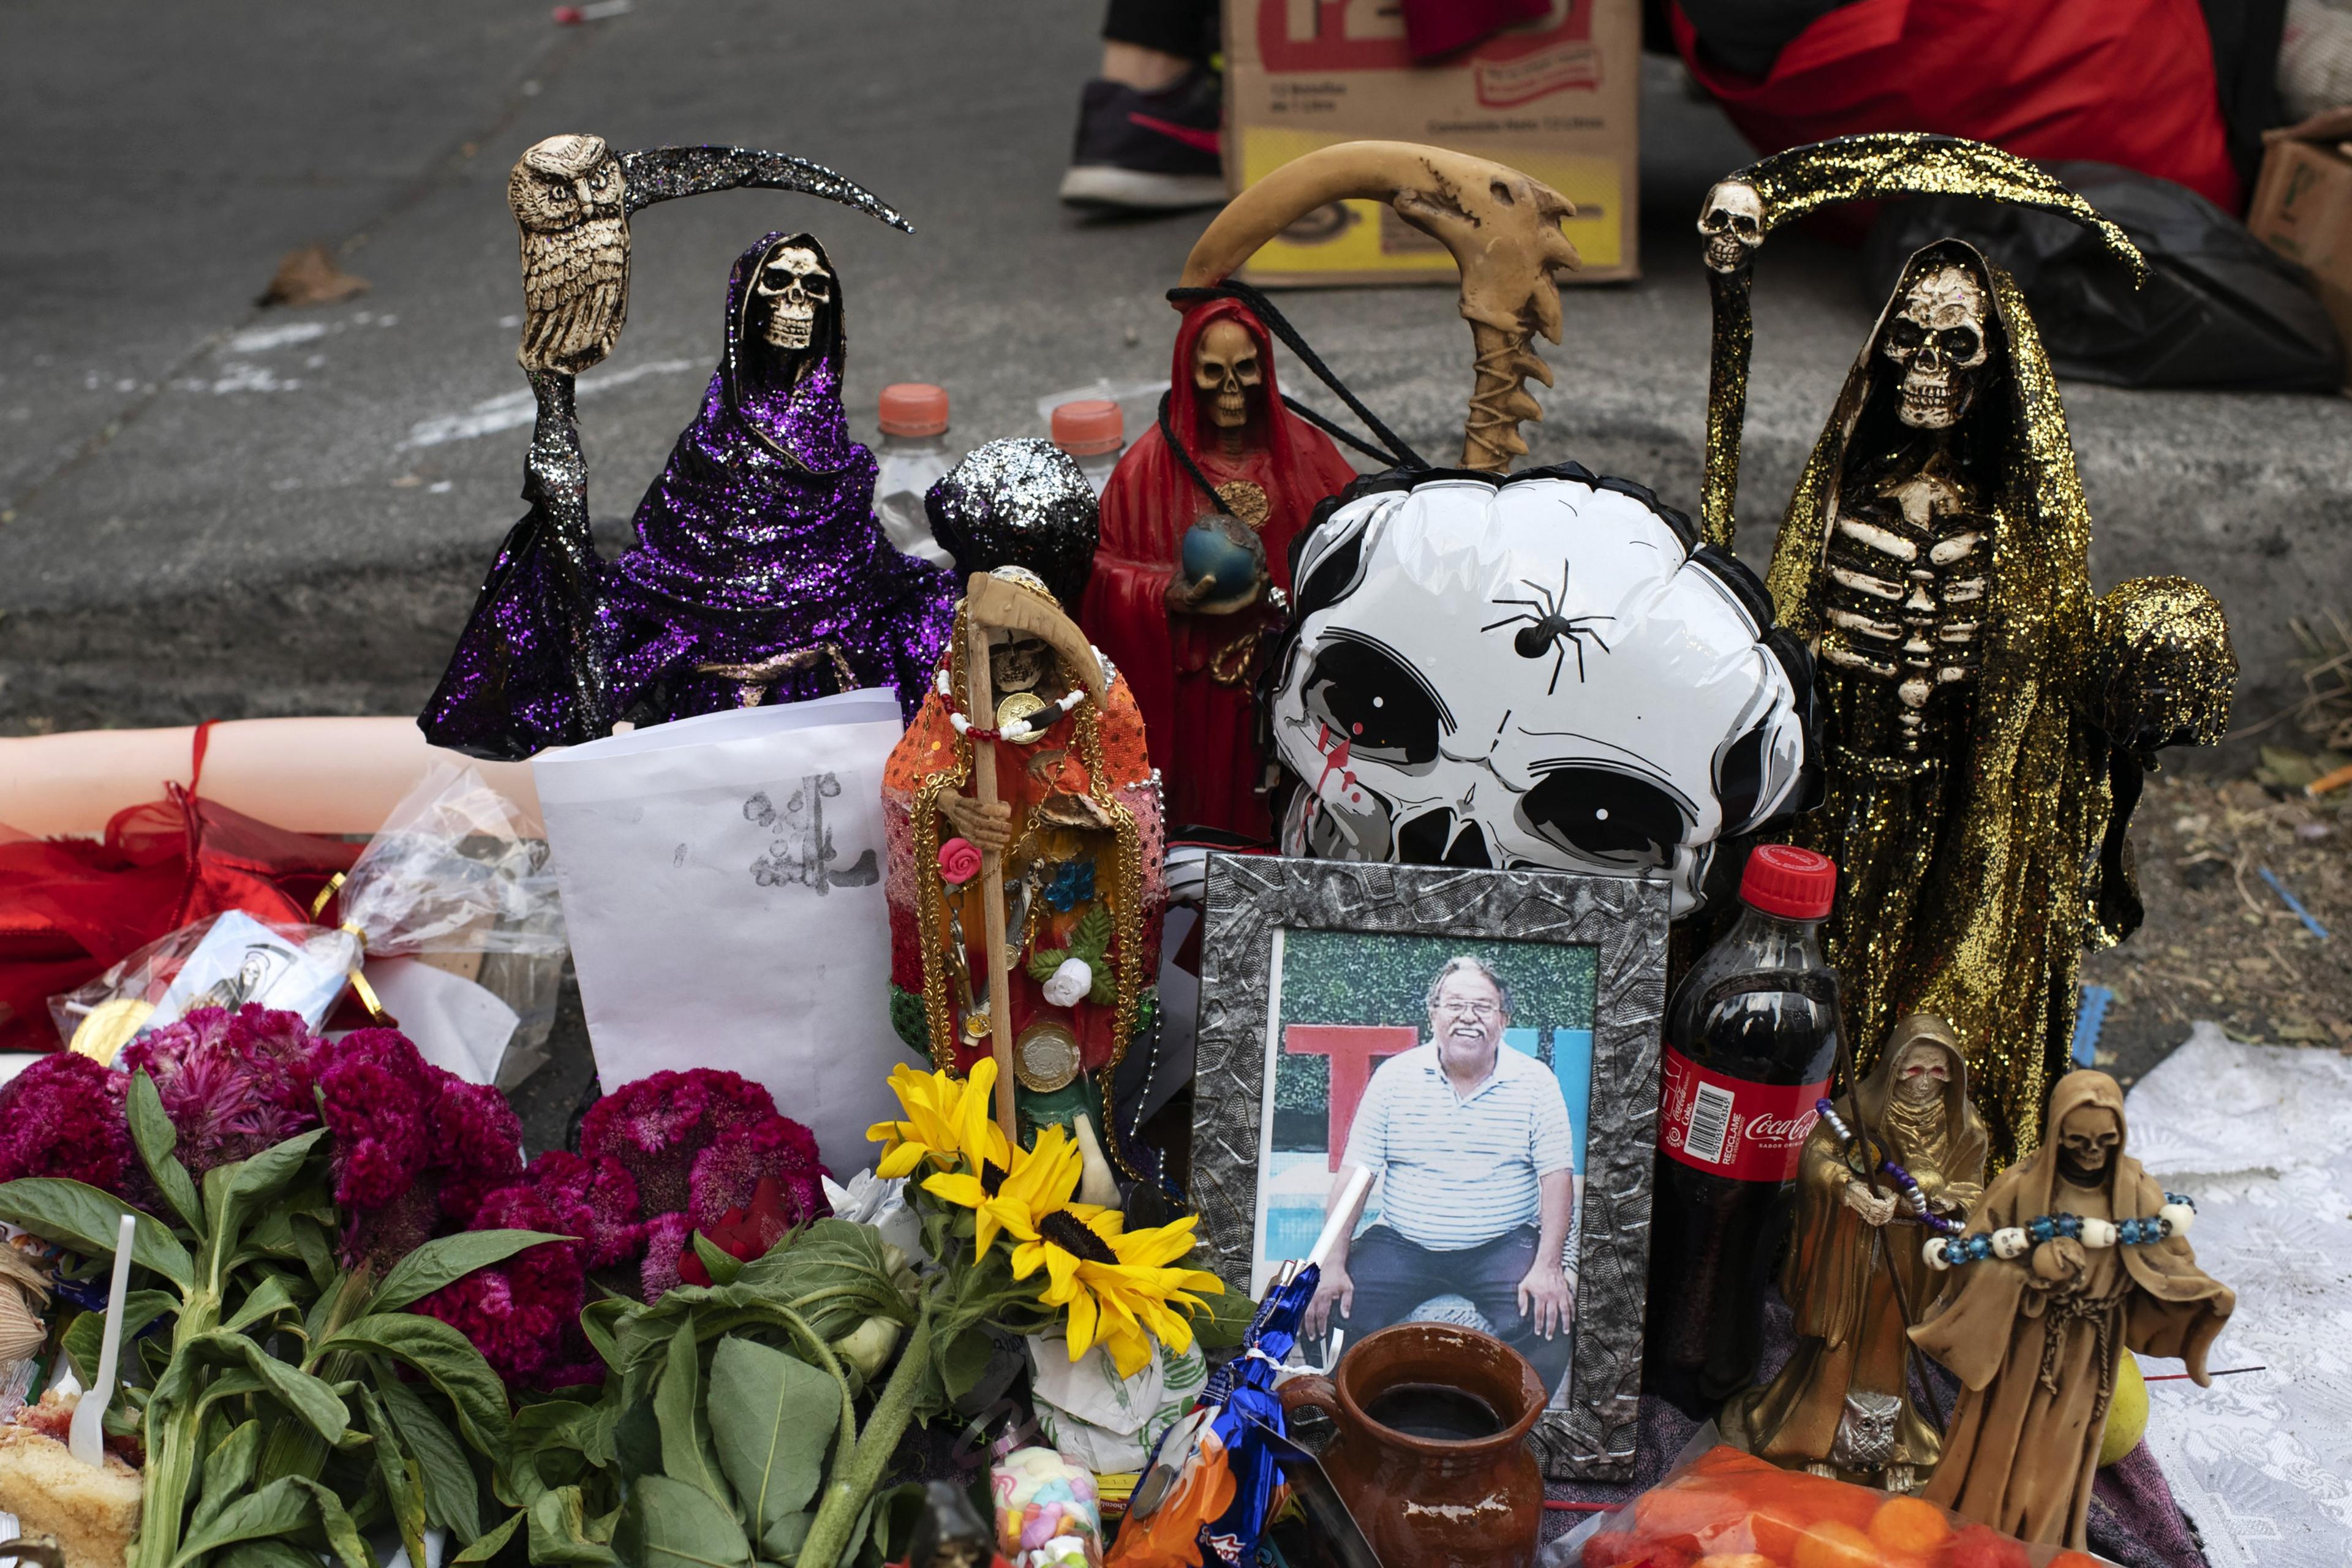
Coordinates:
959 862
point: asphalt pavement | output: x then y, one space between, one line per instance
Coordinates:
211 508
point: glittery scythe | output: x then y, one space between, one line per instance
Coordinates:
1127 892
1790 186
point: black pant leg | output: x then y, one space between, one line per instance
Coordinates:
1184 27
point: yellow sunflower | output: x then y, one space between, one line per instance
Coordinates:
1010 1194
1117 1284
948 1120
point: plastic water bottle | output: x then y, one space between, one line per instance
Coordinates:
1093 431
913 455
1750 1036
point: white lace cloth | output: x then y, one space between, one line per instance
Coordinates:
2260 1136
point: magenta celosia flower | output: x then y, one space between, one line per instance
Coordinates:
524 1314
666 1237
233 1083
655 1126
416 1148
477 1145
63 1116
726 1174
592 1199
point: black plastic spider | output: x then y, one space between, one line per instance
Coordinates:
1542 634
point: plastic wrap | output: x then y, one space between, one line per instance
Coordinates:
1719 1508
223 961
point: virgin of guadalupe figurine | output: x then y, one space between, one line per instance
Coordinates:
2087 1260
1841 1406
1225 449
1077 828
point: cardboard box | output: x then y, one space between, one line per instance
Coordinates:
2303 207
1559 98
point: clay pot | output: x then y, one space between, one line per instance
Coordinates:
1426 1503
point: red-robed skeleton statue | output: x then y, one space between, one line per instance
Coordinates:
1188 643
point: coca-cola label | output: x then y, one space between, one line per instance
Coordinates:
1731 1127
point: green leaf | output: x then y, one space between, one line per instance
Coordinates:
723 1265
85 1337
317 1250
449 1260
266 1554
228 1470
685 1422
772 1428
781 1543
449 1360
307 1396
234 1190
487 1544
403 1479
279 1508
1105 990
452 1497
86 1220
1222 1322
267 1300
152 1129
1043 960
1090 938
894 1512
562 1532
343 1534
669 1524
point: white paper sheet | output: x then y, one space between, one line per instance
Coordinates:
723 884
455 1024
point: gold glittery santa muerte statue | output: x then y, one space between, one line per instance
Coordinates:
1936 556
1025 852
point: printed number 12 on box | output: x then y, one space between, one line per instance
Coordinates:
1750 1036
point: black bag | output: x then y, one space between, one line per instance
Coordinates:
2223 309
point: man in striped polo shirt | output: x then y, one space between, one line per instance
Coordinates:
1474 1151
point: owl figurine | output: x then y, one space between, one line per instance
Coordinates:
567 194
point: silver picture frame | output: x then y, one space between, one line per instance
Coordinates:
1249 898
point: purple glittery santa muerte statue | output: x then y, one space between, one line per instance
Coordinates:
759 575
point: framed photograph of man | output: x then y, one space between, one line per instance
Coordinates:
1485 1045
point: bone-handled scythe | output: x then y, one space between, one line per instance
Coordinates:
1502 228
991 604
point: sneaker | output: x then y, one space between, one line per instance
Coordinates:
1152 150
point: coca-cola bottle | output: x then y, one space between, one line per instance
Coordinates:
1750 1034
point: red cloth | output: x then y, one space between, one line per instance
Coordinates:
70 907
1200 733
2121 81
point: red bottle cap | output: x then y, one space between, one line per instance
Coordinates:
1795 884
914 408
1089 428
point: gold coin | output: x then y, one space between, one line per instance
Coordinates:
1045 1057
976 1026
109 1027
1246 501
1013 713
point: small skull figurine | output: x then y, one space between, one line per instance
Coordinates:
1732 224
795 287
1938 338
1225 366
2087 1139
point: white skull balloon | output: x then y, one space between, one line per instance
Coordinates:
1538 672
1938 338
794 286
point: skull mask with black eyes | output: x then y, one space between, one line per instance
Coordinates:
793 300
1539 672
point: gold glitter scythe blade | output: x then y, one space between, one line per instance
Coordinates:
1803 180
1502 228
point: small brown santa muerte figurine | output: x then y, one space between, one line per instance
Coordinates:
2075 1256
1841 1406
